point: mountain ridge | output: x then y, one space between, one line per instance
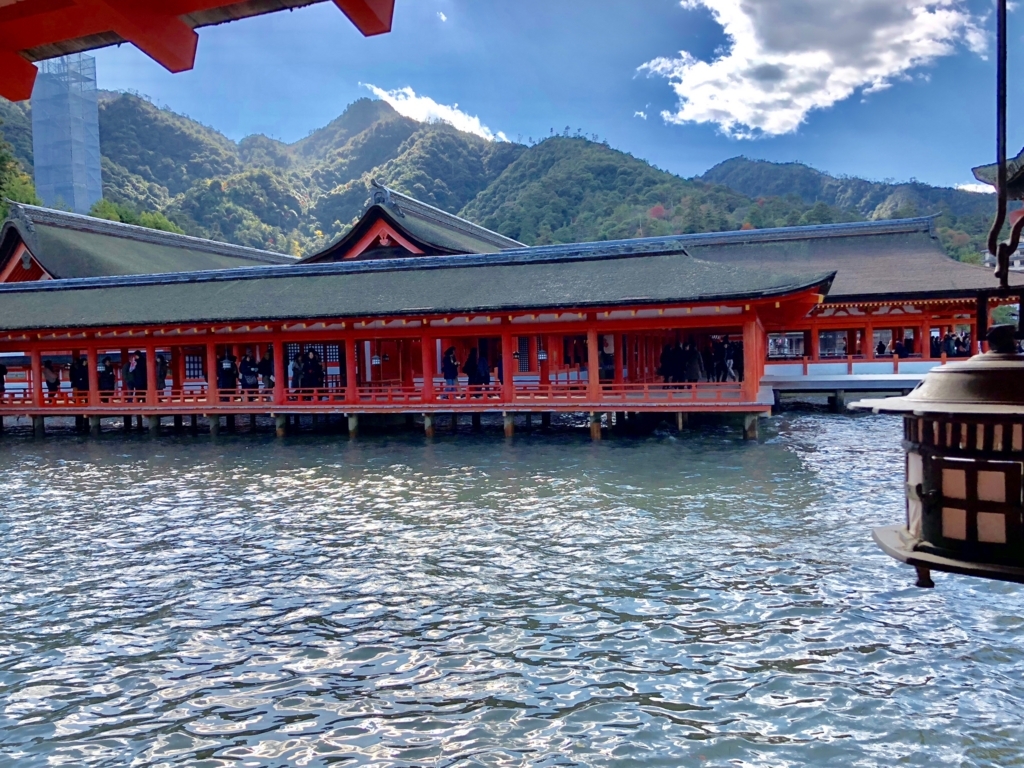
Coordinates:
296 197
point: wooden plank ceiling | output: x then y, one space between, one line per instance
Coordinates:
32 30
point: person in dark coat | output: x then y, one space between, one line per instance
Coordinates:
3 378
693 366
227 373
249 371
141 380
312 371
450 370
161 373
107 377
266 369
665 363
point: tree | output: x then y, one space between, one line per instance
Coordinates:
104 209
15 184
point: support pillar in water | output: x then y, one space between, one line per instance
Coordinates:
252 422
838 401
127 423
476 422
595 425
39 426
138 422
750 426
529 422
353 425
194 424
455 422
179 423
281 425
94 426
428 424
681 420
230 422
510 424
154 425
545 419
214 425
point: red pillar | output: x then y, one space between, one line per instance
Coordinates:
211 371
508 367
351 371
428 351
593 366
151 375
94 378
618 356
36 377
751 376
280 371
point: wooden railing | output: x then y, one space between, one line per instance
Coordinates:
382 395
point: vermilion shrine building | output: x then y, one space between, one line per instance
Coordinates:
564 327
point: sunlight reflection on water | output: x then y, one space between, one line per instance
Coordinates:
693 600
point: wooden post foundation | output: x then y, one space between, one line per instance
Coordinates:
252 422
476 422
428 424
750 426
39 426
179 423
280 425
510 424
595 425
545 420
455 422
154 425
194 424
127 423
353 425
214 425
681 421
230 422
94 426
838 401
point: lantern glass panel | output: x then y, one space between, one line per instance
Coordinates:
954 523
991 486
954 483
915 468
992 527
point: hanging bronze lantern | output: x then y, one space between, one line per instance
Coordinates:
964 424
963 431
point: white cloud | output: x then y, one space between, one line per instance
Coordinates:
426 110
986 189
641 114
441 16
788 57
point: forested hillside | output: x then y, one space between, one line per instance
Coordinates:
963 218
297 197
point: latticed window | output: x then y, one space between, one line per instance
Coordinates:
333 354
291 350
194 367
524 354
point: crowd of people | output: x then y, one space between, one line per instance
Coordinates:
720 360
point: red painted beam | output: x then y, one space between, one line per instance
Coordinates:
371 17
166 39
17 76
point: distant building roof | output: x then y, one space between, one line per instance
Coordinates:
429 230
874 260
69 245
654 271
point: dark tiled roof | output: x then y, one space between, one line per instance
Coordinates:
432 230
874 260
652 271
69 245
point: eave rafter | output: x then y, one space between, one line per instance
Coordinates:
164 30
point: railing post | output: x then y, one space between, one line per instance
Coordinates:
593 363
92 360
428 351
36 378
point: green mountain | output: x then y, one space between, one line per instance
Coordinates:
297 197
963 218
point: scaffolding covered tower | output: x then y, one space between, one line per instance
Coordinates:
66 133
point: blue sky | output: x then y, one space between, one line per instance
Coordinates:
893 89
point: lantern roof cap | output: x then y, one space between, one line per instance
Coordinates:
988 384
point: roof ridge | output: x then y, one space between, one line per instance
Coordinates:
599 251
406 204
83 223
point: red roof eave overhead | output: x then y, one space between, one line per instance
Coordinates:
159 28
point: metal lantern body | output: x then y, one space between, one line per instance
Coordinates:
964 465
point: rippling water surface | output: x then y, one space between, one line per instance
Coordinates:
544 601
